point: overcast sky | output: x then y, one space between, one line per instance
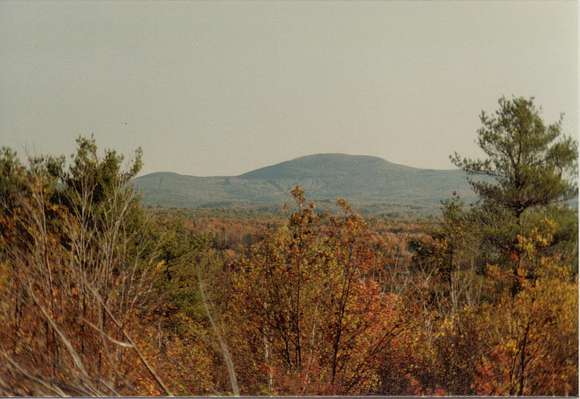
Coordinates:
220 88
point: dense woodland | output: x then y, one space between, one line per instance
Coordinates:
102 296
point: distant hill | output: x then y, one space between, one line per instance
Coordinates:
369 183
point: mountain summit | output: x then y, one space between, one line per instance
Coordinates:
367 182
325 165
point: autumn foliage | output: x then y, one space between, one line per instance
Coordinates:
100 296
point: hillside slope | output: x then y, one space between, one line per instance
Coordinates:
369 183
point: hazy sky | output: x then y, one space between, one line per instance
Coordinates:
213 88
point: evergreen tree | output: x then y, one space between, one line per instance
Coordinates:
531 164
529 171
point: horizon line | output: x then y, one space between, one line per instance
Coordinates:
294 159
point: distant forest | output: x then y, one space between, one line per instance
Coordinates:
103 296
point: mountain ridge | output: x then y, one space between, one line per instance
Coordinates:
368 182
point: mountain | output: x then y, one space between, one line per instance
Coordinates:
369 183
